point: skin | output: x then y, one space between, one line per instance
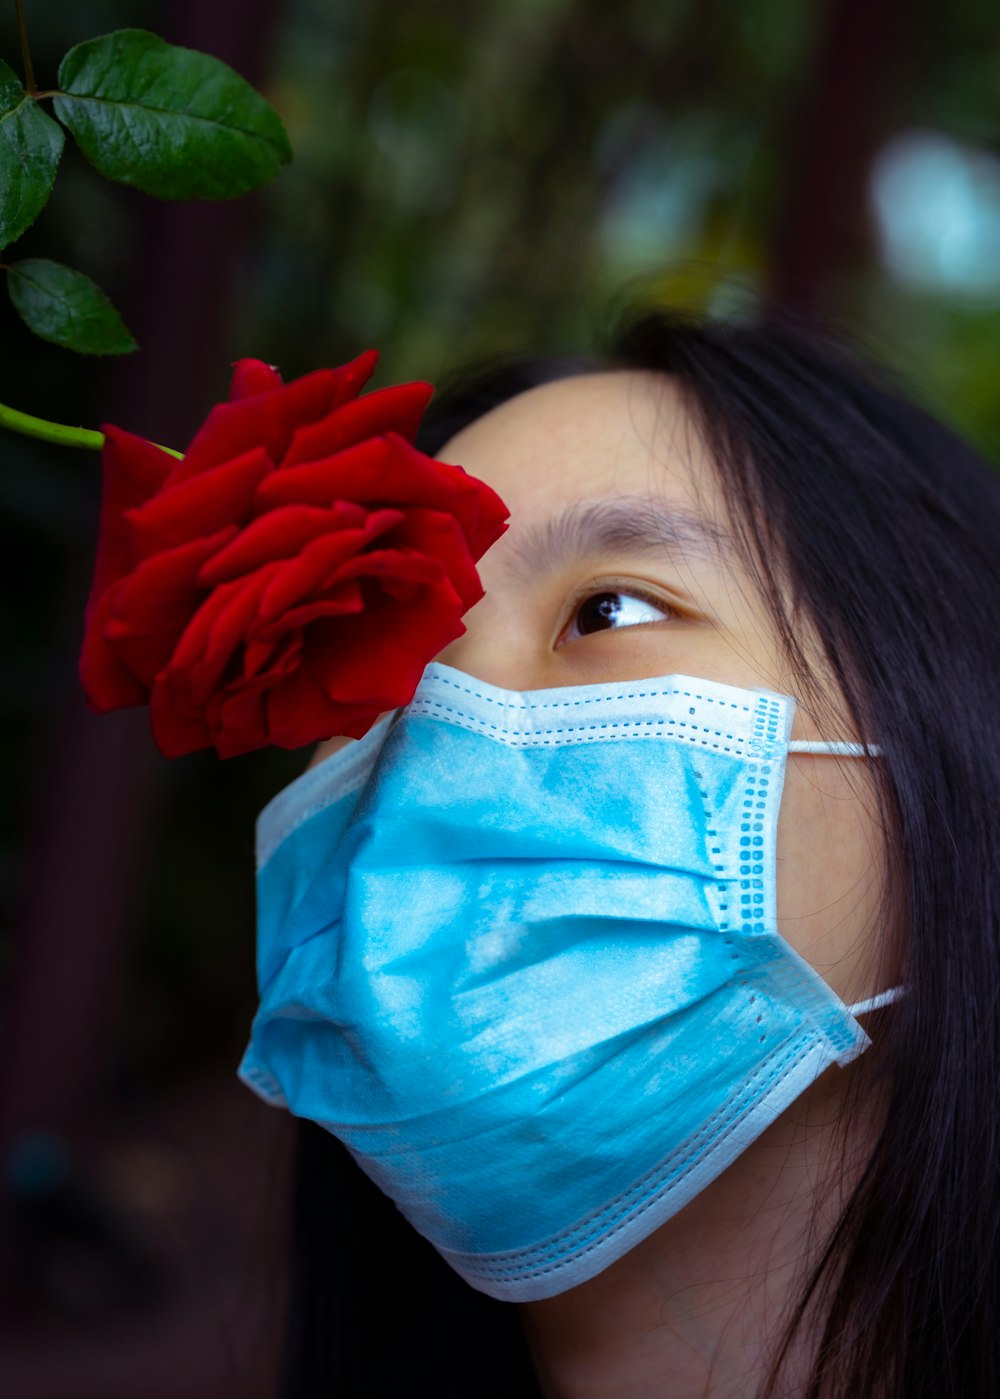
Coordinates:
690 1310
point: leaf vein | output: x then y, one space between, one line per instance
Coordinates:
173 112
6 116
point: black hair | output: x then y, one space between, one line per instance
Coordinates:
861 513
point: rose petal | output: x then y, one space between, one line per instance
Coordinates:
486 518
284 533
291 577
401 576
150 609
319 563
266 663
212 637
240 723
133 471
175 733
439 536
344 599
481 512
378 656
389 470
268 420
398 409
107 684
393 572
199 506
299 711
252 376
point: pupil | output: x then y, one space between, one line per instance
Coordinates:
598 612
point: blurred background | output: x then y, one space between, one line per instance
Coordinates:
470 176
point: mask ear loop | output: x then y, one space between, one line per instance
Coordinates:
851 750
846 750
876 1002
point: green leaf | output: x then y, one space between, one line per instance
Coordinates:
170 121
30 146
67 308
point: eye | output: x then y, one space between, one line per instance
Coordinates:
614 608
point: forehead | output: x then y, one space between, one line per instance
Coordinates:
615 433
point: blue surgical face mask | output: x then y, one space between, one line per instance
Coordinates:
518 951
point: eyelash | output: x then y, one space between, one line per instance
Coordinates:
601 586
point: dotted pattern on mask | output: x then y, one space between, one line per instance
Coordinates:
704 735
592 699
749 826
768 729
768 725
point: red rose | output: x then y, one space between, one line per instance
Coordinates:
291 576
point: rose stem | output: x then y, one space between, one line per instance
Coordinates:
22 33
62 433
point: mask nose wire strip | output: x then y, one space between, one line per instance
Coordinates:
847 750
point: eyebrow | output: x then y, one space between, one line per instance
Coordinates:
633 524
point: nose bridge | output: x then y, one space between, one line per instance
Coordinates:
498 647
508 668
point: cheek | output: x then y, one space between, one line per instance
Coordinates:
829 872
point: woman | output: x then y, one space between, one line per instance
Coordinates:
752 506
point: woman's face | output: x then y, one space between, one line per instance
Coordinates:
617 566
